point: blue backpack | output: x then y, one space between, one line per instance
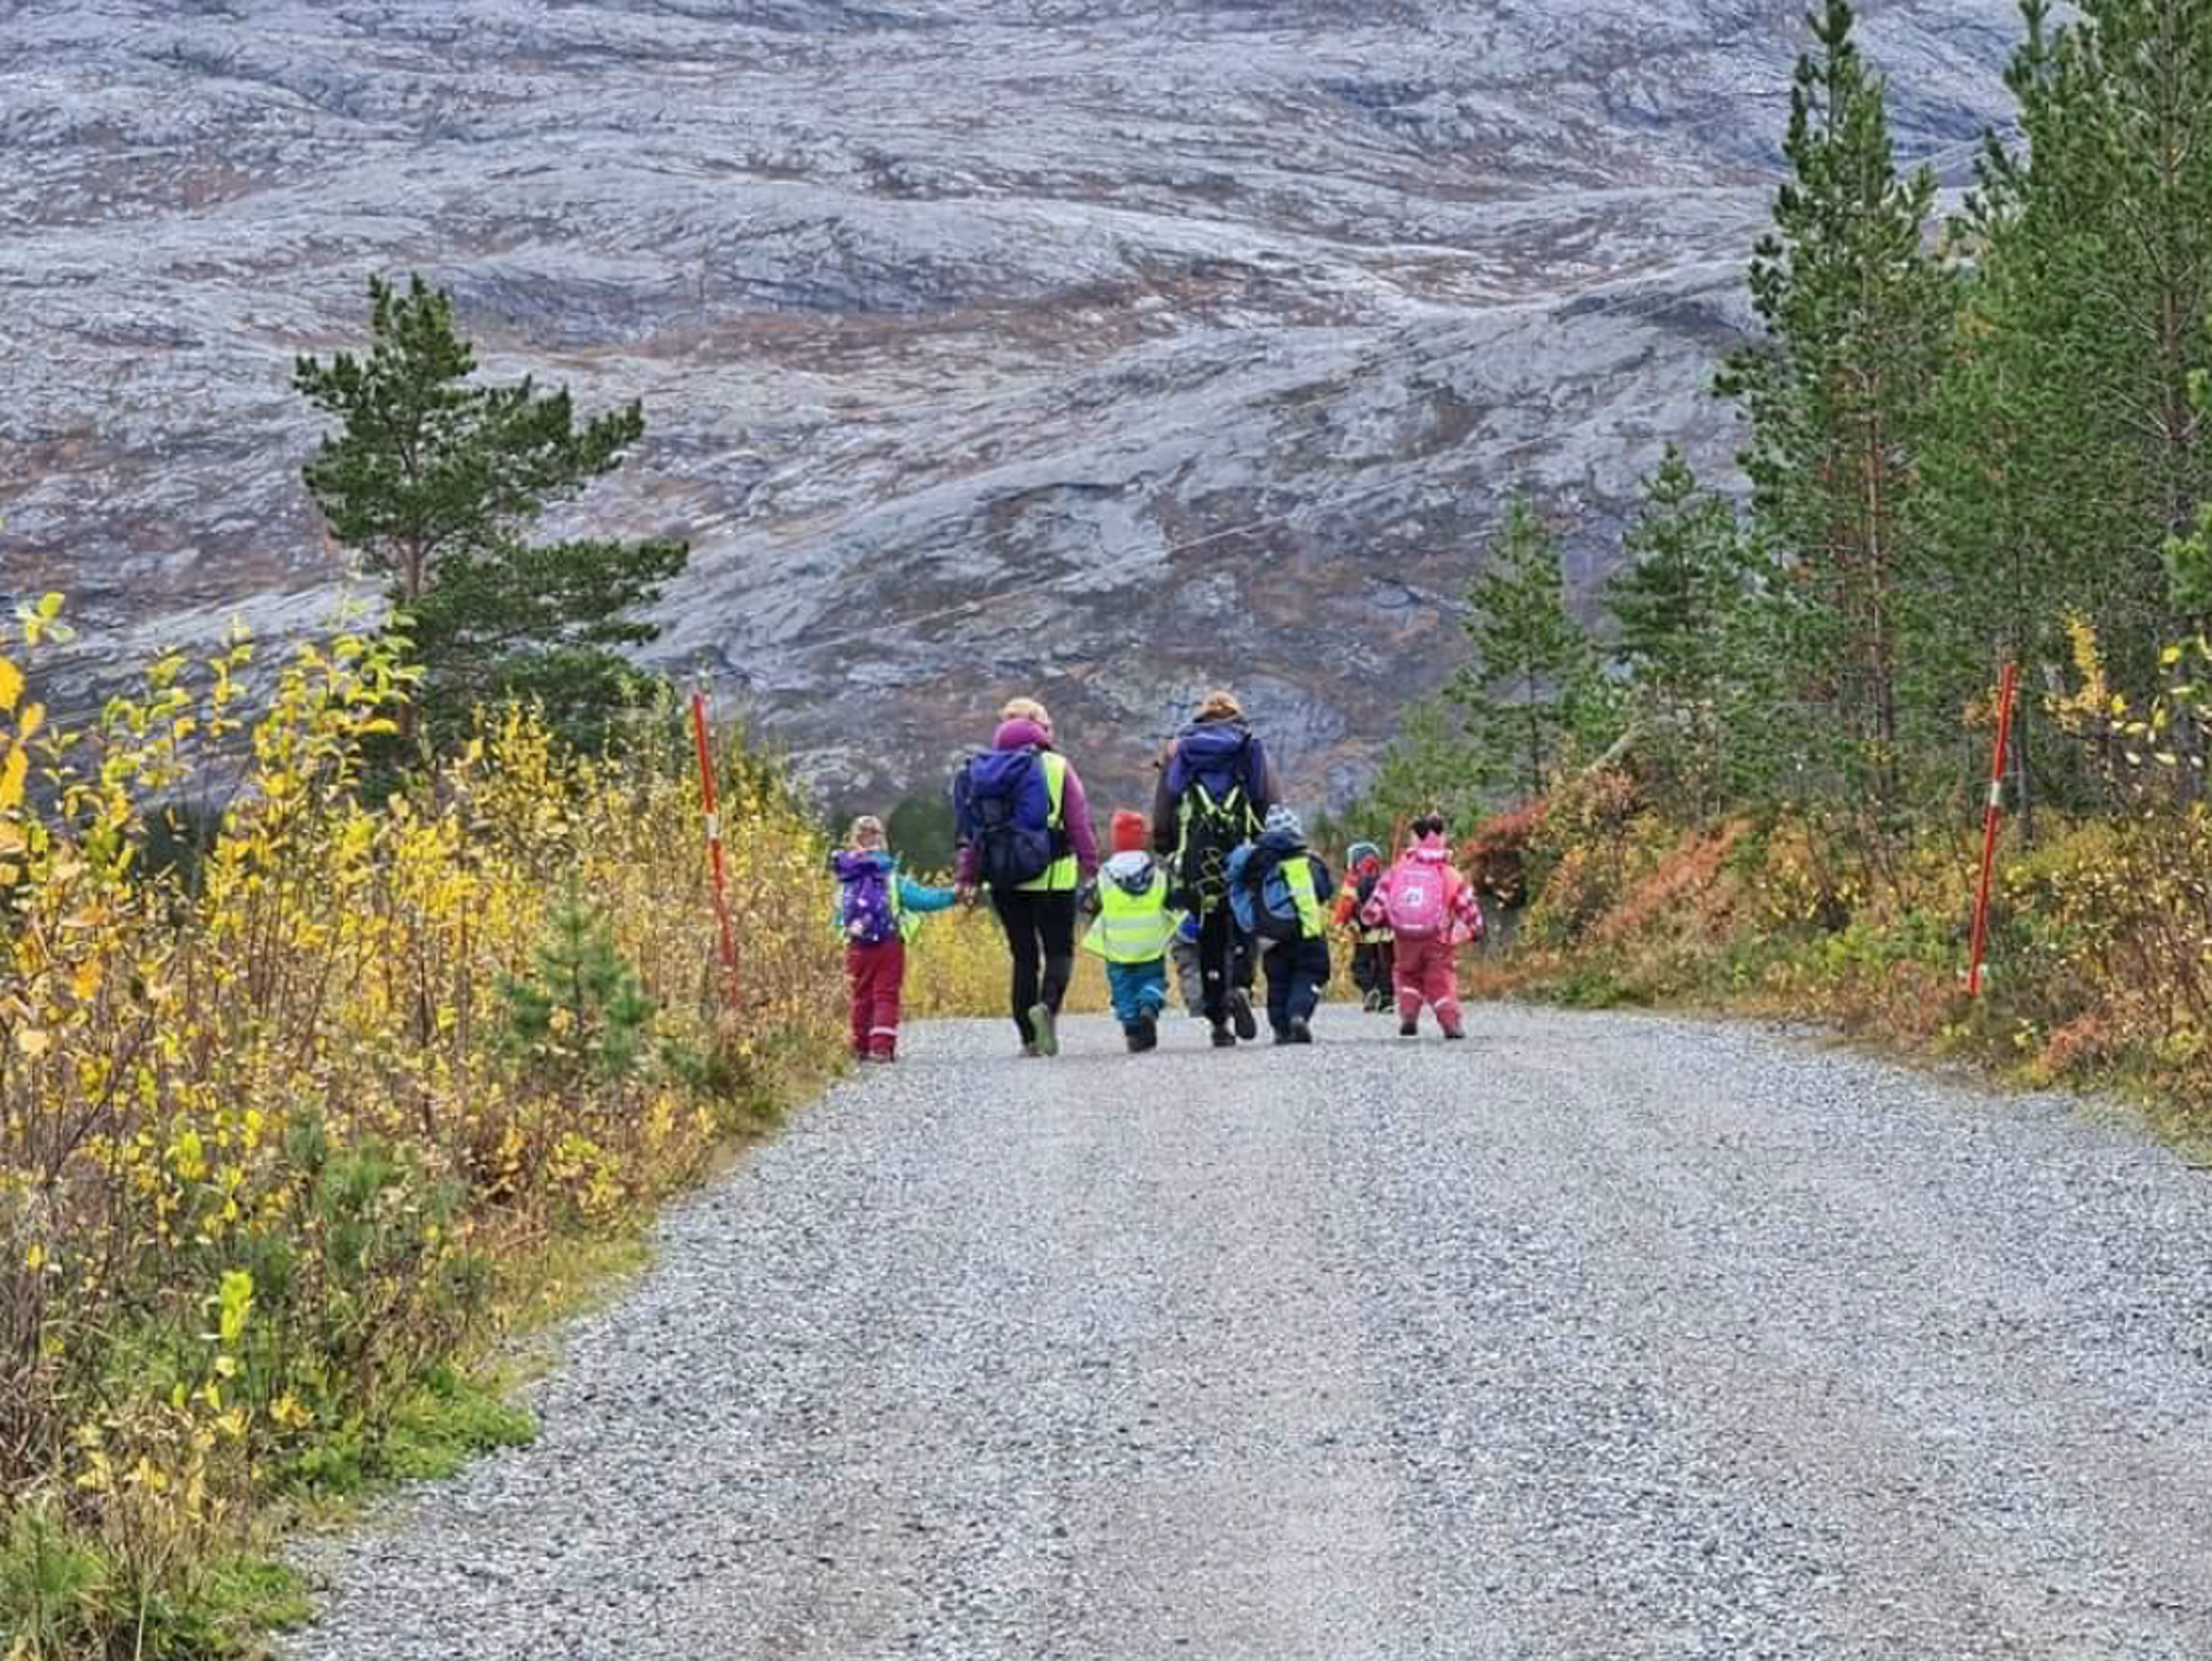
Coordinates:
867 913
1260 898
1002 806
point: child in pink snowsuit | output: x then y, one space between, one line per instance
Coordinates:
1433 911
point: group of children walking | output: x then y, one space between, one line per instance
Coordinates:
1405 922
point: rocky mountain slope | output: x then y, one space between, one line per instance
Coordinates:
1102 349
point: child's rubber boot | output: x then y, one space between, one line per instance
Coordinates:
1042 1023
1145 1035
1223 1038
1409 1029
1301 1030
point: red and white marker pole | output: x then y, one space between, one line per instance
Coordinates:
2007 686
715 864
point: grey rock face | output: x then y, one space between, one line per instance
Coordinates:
1591 1337
1099 350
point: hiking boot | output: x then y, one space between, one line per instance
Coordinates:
1042 1023
1224 1039
1239 1014
1409 1029
1302 1032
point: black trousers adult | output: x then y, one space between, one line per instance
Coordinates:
1225 959
1041 936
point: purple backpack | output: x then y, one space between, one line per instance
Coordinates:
865 912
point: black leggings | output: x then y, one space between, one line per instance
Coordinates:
1224 960
1041 934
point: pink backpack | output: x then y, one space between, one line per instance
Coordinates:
1420 907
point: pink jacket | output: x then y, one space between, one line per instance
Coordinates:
1460 898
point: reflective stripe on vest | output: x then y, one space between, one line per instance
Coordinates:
1064 875
1298 874
1135 928
910 923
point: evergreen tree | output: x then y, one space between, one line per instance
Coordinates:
1430 766
1856 312
580 1013
1534 686
437 481
1996 589
2103 266
2189 559
1681 599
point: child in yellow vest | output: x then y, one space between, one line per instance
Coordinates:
1135 928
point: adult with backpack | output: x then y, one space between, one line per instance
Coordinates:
1278 888
1025 835
1213 797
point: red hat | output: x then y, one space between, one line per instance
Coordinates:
1132 832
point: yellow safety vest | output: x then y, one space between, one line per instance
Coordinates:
1064 874
1133 928
1297 876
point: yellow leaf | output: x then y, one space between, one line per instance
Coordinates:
35 1259
14 773
33 1043
11 685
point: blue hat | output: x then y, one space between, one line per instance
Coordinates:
1281 821
1360 852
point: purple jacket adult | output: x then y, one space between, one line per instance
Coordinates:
1075 807
1039 919
1216 758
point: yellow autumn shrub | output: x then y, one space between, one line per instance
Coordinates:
266 1145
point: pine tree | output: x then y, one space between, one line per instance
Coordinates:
2071 454
1856 312
1429 766
1680 598
1534 686
580 1013
2189 559
437 481
2107 260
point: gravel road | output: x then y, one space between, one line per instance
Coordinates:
1596 1337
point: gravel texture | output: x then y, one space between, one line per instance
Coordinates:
1595 1337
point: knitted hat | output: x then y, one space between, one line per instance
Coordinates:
866 832
1358 853
1132 832
1281 821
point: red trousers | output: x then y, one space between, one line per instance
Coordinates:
876 974
1426 971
